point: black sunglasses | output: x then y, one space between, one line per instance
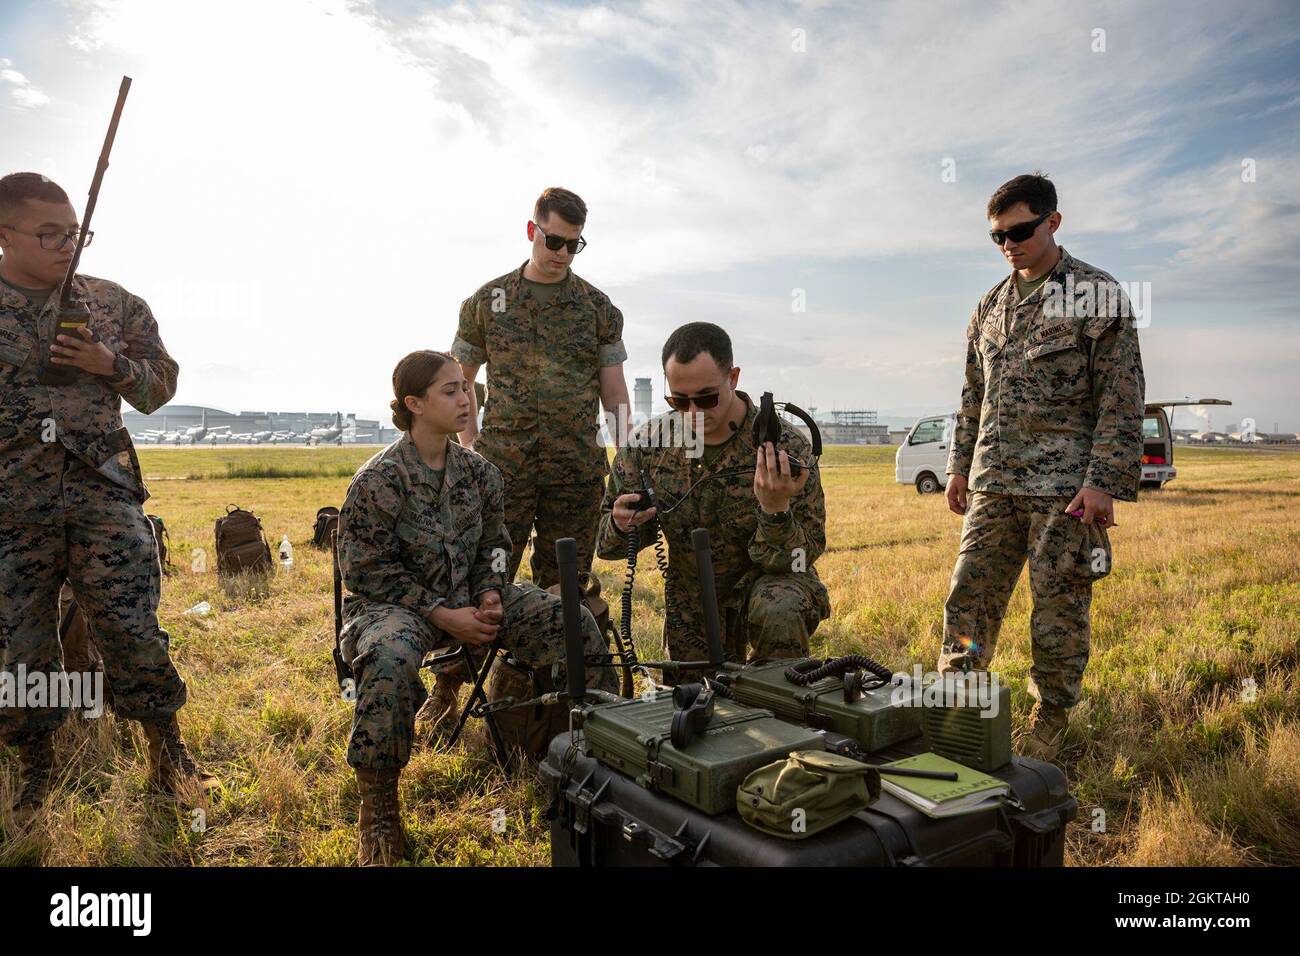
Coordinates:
555 242
1019 232
682 403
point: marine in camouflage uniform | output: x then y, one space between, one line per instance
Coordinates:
71 493
1052 402
407 546
543 397
769 595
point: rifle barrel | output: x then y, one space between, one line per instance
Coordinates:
65 291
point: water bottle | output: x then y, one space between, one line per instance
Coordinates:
286 554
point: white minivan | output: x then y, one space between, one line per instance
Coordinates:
923 457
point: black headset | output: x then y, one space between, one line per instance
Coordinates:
767 428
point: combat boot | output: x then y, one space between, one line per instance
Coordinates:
441 708
379 822
36 765
170 763
1046 732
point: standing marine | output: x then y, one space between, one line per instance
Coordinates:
1048 435
553 346
71 491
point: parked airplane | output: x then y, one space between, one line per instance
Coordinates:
253 438
198 433
331 433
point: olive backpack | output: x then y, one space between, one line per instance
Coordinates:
241 545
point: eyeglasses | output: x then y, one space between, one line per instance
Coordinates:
54 241
682 403
555 242
1019 232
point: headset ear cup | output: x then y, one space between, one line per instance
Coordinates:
684 695
681 730
766 426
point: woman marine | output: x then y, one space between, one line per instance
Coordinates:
424 554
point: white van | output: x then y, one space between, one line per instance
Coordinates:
923 456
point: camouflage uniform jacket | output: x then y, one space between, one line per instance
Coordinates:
543 368
1054 391
403 542
86 416
746 543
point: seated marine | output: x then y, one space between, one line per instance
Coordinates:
424 555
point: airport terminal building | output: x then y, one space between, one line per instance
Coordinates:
180 418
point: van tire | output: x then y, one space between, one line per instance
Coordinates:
927 484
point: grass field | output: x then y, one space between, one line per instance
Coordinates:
1174 760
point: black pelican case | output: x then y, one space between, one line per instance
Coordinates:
600 817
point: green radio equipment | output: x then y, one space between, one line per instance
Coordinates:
853 696
970 723
658 781
689 743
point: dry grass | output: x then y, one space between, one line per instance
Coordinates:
1187 769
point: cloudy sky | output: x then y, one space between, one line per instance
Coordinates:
305 190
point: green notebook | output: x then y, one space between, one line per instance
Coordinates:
973 789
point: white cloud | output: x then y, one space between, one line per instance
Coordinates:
22 94
347 177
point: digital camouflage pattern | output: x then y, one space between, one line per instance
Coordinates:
404 541
540 420
556 511
80 655
70 506
1051 402
405 548
769 594
104 547
37 424
1065 558
543 374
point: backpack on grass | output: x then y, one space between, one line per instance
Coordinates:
241 545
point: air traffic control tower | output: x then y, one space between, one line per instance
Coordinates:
642 395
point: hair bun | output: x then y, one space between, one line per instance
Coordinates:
401 415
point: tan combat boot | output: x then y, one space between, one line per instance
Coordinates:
441 708
1046 732
170 763
36 764
379 822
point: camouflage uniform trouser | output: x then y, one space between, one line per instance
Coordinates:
80 655
569 510
1065 557
385 644
105 547
780 613
558 511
